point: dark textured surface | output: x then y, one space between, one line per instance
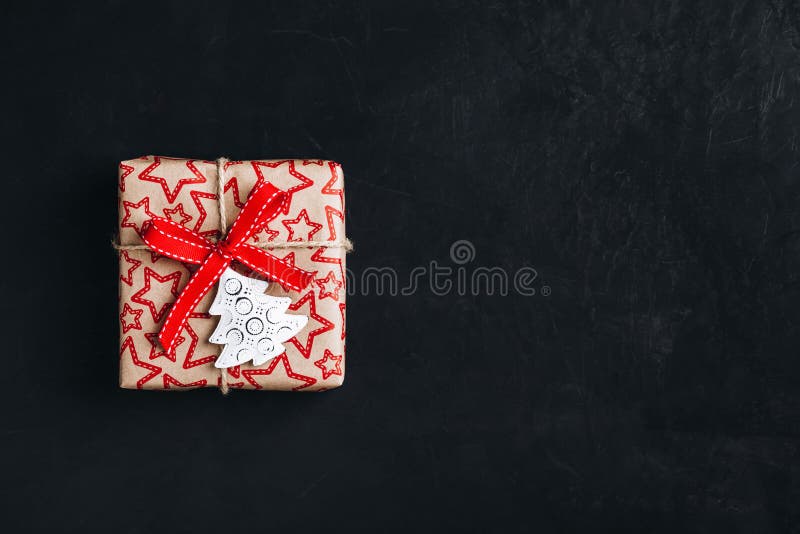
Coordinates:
643 157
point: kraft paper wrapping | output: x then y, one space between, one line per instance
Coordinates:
185 191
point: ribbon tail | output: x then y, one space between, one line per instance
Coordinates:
174 241
275 268
199 285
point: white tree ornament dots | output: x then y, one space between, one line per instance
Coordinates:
252 325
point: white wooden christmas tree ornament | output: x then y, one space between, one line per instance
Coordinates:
252 325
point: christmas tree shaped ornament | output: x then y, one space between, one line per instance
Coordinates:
252 325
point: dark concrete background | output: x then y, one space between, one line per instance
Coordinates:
641 156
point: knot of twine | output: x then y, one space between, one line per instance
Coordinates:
344 243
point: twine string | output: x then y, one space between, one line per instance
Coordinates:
223 222
223 228
346 244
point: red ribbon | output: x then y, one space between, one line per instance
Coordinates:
177 242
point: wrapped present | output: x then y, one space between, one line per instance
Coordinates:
232 274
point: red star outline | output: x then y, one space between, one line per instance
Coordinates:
302 215
328 188
185 217
330 211
322 282
248 373
154 369
155 256
235 372
128 279
305 181
337 370
289 258
145 176
127 310
128 170
271 234
196 196
148 274
128 205
237 385
188 363
233 183
175 382
342 308
327 326
156 350
317 256
313 162
230 163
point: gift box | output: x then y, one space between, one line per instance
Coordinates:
271 229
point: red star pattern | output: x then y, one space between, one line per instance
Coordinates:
229 164
289 258
175 382
126 311
328 188
236 385
156 350
326 325
318 256
280 180
134 264
131 348
266 234
328 286
330 212
139 296
233 184
309 230
342 308
235 372
285 369
335 364
126 171
129 206
171 214
172 193
188 362
155 256
198 226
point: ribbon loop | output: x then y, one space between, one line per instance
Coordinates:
177 242
263 205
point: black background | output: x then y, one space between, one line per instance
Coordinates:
642 157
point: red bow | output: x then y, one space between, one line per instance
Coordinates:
174 241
